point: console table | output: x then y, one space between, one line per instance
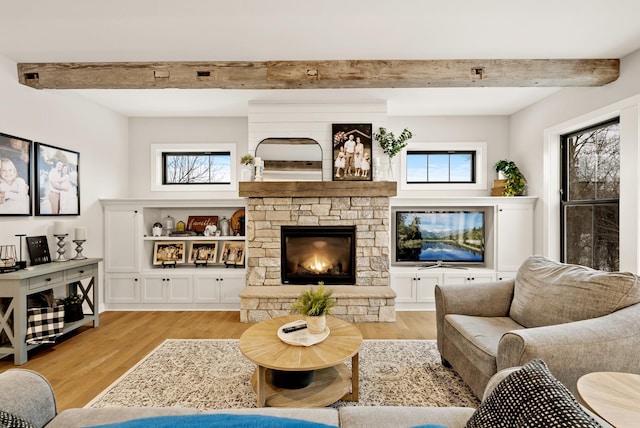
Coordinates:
16 286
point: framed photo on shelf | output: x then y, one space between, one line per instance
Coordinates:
38 250
15 176
203 251
57 181
169 252
232 253
352 152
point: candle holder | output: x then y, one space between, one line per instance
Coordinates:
79 255
61 250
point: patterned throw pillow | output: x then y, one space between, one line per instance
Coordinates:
530 397
8 420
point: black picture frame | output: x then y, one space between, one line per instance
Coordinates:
38 250
347 164
15 166
63 197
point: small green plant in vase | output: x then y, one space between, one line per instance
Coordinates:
315 304
72 307
391 145
516 181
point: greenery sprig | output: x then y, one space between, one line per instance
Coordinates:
73 299
390 145
246 160
314 302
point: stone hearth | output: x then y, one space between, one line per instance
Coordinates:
364 205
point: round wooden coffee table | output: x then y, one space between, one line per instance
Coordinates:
332 379
613 396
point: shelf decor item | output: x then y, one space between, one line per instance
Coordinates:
15 176
315 305
232 253
58 181
247 168
8 258
203 252
38 250
199 223
514 181
72 308
169 253
352 152
391 146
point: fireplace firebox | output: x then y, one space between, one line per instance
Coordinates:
311 254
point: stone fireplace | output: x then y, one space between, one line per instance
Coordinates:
361 206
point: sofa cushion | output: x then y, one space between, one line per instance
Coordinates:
399 416
13 421
548 292
530 397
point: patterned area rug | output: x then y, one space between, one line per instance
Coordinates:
213 374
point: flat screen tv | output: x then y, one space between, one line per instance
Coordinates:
452 237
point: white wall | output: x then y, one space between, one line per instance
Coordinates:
143 132
534 147
100 136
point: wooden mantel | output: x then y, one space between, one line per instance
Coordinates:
290 189
321 74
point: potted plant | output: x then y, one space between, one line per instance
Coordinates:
72 308
247 171
315 304
515 180
391 145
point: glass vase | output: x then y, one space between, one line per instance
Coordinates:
390 173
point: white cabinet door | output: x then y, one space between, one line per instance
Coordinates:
426 286
468 277
122 239
231 284
122 288
417 286
166 288
206 288
404 285
153 289
514 235
505 275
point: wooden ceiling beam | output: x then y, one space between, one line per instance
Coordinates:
321 74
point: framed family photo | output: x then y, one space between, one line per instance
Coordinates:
203 252
352 152
169 252
232 253
57 181
15 176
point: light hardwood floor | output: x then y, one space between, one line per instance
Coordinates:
88 360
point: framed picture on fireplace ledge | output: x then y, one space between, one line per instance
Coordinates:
352 152
232 253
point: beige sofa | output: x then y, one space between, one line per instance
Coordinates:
28 395
576 319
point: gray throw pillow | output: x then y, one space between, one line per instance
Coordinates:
530 397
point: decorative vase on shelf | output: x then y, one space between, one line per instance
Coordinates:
316 324
247 173
390 175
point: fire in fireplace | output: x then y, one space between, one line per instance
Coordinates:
318 253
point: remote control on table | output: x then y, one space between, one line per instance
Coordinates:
294 328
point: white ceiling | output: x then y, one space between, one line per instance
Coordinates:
258 30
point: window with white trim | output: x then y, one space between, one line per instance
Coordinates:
193 167
444 166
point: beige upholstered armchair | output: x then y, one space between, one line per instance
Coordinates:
577 320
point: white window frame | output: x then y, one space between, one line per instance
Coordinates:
156 167
479 147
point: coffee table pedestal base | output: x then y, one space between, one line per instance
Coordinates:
328 386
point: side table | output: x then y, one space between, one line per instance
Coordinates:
614 396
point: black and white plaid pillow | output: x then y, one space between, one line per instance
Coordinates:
530 397
9 420
44 325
